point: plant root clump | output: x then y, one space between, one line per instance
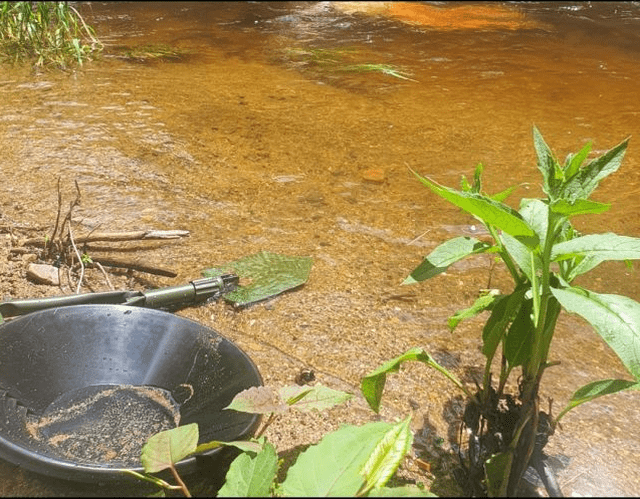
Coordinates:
490 430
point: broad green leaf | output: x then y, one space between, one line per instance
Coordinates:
583 266
489 211
444 255
615 318
578 207
372 385
258 400
317 397
597 389
521 254
387 456
168 447
595 249
332 467
503 312
403 491
574 162
251 476
498 469
243 445
269 274
483 303
548 166
588 263
477 179
536 214
606 246
502 195
583 183
518 342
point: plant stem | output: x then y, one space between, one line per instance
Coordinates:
504 254
543 293
183 487
535 290
504 373
523 441
266 425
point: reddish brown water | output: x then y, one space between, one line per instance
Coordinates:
262 139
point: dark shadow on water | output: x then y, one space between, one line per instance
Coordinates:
440 458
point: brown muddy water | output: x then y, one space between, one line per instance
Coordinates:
262 136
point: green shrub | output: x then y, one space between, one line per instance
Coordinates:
351 461
544 253
45 33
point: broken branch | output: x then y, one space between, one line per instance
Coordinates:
118 236
109 262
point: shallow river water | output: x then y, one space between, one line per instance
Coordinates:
268 133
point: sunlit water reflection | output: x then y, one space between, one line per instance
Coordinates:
259 139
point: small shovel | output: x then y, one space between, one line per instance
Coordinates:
197 291
269 274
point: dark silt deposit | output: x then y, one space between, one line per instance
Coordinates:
104 424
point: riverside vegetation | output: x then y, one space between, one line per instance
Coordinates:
352 461
46 33
544 254
54 34
507 430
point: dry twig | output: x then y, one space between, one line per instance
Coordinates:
75 248
63 246
104 273
50 241
138 235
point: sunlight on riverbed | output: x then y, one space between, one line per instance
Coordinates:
280 131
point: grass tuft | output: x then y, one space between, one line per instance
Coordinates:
339 60
45 34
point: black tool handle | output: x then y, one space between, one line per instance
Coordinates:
197 291
21 307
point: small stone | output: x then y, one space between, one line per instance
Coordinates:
43 274
374 175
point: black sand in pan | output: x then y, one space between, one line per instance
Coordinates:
83 387
101 424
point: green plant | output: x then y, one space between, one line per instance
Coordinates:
336 60
544 253
160 51
163 450
388 69
319 56
351 461
48 33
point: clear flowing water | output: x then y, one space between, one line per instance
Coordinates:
271 134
